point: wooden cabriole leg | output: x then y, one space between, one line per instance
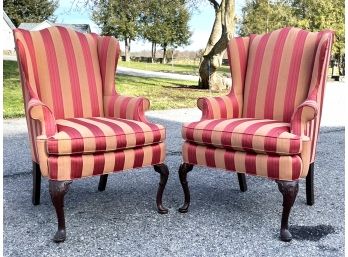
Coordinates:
102 182
57 190
162 169
289 191
310 185
36 184
242 182
183 170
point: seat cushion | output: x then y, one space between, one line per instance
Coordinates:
91 135
245 134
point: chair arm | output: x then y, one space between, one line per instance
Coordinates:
218 107
126 107
39 111
304 113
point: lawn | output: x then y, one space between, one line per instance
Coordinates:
162 93
191 69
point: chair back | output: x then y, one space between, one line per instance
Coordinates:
280 71
60 67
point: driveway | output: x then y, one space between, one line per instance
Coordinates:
154 74
222 221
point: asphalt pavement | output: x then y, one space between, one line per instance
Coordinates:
222 221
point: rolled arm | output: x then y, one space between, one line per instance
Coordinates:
219 107
127 107
41 112
304 113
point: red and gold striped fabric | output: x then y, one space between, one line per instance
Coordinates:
270 166
245 134
78 125
61 69
280 65
39 111
126 107
273 109
93 135
219 107
229 106
317 87
67 167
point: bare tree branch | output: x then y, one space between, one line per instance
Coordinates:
215 4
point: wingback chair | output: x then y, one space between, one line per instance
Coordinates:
268 124
79 126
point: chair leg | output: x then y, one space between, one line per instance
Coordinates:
162 169
57 190
36 184
183 170
289 191
242 182
310 185
102 182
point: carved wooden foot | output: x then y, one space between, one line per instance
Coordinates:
36 184
310 185
102 182
289 191
57 191
183 170
242 182
162 169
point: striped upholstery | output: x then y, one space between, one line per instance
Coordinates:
280 65
269 122
91 135
250 135
62 70
229 106
271 166
66 167
78 124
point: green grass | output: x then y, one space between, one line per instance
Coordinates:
162 93
191 69
13 98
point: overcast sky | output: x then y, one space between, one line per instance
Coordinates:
200 24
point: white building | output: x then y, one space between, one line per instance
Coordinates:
84 28
7 34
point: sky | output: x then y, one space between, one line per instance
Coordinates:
200 23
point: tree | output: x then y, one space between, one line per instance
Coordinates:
317 15
165 23
120 19
222 32
30 10
262 16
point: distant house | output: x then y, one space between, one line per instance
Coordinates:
84 28
7 34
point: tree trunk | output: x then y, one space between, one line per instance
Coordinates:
164 59
221 33
127 49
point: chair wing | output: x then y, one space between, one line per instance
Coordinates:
115 105
229 106
306 117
